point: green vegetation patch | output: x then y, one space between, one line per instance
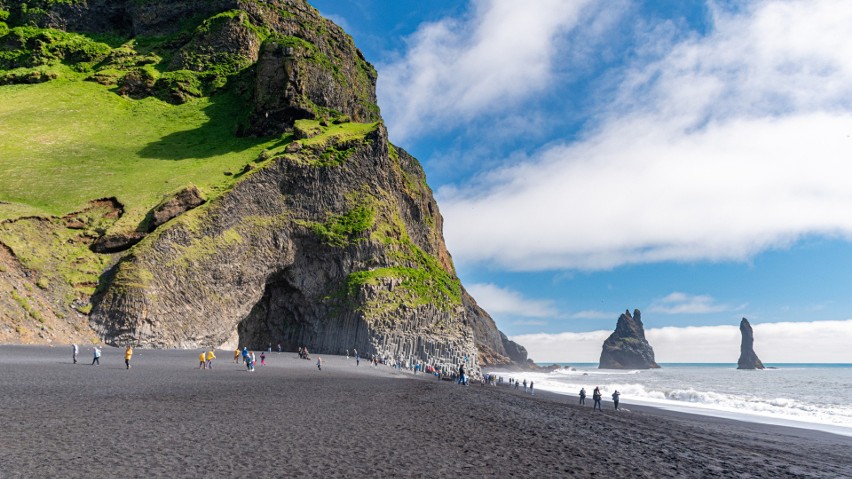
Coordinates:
341 230
65 143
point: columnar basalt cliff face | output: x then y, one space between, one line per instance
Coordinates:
626 347
748 358
333 240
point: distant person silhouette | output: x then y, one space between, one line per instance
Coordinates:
596 396
583 396
615 396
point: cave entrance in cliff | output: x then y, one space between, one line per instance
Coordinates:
281 316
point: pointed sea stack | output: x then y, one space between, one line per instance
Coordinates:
627 348
748 359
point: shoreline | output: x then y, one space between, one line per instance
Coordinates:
697 409
165 416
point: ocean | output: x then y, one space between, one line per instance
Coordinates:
812 396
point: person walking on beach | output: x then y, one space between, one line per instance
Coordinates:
532 390
583 396
461 375
357 358
262 358
615 396
245 355
525 385
202 360
210 357
279 347
319 363
252 361
237 356
596 396
97 356
74 350
128 353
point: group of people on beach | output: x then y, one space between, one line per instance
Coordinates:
597 396
527 387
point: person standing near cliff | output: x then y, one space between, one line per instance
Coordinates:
74 351
319 363
128 353
532 391
237 356
262 358
583 396
596 396
615 396
97 356
202 360
210 357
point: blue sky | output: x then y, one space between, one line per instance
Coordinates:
689 159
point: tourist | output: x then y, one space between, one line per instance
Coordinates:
97 356
128 353
525 385
279 347
357 358
596 396
210 357
532 391
347 354
517 384
263 358
252 361
615 398
461 375
202 360
237 356
583 396
74 350
319 363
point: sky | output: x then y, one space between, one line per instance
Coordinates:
690 159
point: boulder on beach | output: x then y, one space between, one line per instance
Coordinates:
748 358
626 347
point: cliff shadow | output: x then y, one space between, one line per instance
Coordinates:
219 135
281 316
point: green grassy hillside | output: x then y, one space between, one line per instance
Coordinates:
64 143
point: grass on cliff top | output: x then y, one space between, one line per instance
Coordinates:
64 143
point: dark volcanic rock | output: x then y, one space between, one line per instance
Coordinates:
627 348
334 243
748 358
183 201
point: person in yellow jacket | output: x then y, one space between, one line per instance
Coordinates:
202 360
128 353
210 358
237 355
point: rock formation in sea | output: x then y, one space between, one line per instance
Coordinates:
748 358
626 347
333 242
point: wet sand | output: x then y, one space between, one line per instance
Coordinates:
164 417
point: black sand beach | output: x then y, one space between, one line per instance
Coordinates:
163 417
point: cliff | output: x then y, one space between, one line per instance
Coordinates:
626 347
748 358
329 237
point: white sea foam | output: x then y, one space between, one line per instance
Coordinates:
803 395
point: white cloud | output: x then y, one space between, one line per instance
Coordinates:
682 303
593 314
503 301
453 70
815 342
725 146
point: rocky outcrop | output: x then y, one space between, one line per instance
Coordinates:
626 347
748 358
333 242
174 206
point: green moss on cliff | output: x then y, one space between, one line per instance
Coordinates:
341 230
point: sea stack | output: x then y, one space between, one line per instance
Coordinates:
626 347
748 359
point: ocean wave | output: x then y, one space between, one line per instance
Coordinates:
565 382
